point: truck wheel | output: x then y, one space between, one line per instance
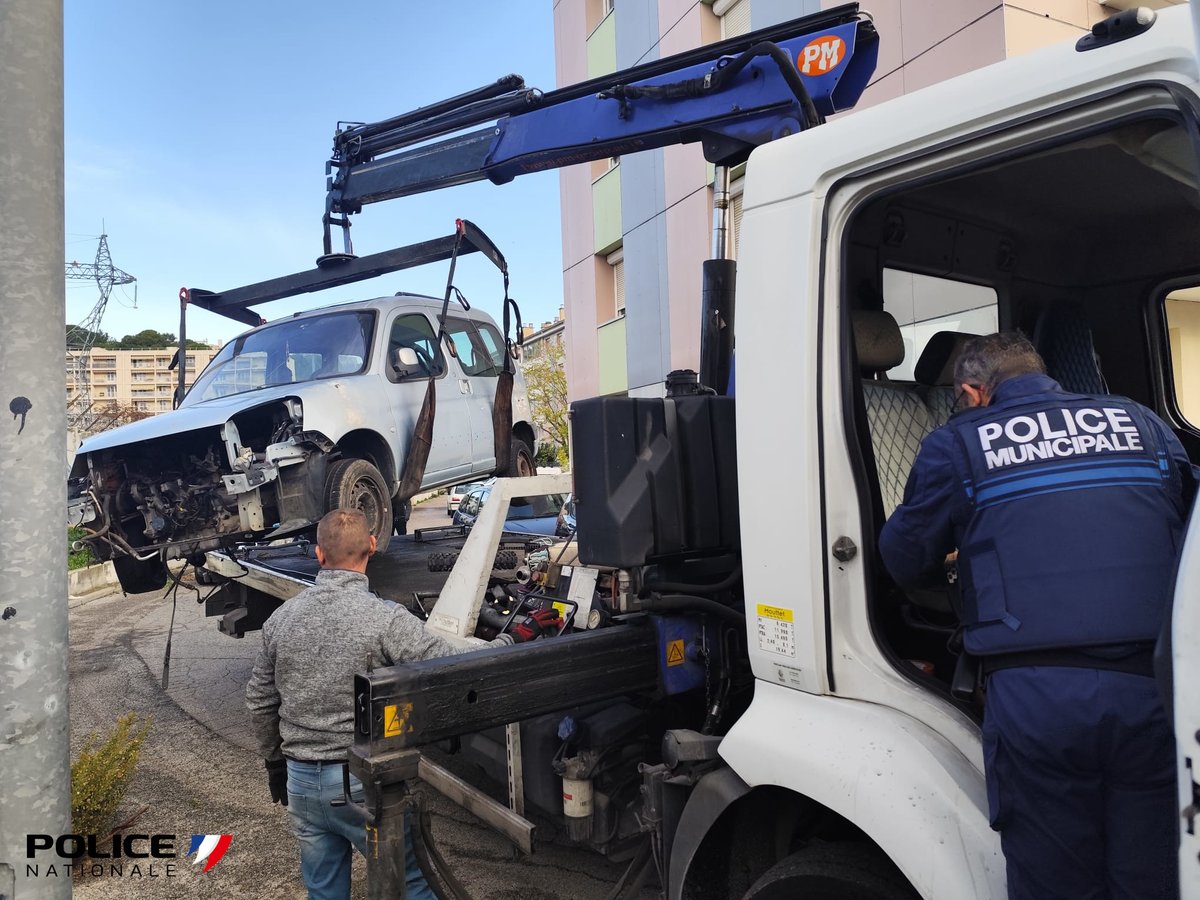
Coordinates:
522 465
357 484
139 576
833 871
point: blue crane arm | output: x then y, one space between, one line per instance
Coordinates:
730 97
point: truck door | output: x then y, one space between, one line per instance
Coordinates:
450 454
1186 662
480 353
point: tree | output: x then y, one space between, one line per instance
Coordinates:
78 336
546 381
149 339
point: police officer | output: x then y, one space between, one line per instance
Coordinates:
301 703
1067 512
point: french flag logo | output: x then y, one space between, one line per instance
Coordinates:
210 847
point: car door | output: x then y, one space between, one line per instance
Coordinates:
450 451
479 349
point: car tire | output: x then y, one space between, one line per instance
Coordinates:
522 464
833 871
139 576
357 484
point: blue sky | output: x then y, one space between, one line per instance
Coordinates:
197 135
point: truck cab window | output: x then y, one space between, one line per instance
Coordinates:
1182 308
923 305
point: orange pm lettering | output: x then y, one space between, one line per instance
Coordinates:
821 55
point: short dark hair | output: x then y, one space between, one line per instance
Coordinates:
988 360
344 537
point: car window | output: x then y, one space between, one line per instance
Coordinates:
289 352
535 507
414 330
478 346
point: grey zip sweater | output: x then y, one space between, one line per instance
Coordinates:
301 693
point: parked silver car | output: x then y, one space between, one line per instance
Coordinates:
296 417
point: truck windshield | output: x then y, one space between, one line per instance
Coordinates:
289 352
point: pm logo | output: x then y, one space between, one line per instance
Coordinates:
821 55
208 849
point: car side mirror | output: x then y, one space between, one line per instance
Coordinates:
404 362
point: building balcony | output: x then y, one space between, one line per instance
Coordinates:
611 357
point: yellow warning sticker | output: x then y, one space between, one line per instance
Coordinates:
396 719
675 653
778 613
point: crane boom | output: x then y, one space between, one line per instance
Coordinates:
730 97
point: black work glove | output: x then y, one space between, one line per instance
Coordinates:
277 780
539 622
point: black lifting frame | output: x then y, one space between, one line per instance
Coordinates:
400 708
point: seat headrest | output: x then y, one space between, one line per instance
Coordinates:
1063 336
877 339
935 368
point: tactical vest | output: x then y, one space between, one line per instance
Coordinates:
1075 527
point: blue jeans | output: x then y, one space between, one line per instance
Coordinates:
327 833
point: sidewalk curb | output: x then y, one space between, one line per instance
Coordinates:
98 580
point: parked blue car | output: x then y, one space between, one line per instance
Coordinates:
526 515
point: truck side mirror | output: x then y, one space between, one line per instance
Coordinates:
405 363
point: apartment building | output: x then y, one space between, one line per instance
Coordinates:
638 227
136 379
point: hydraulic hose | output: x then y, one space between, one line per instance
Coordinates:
693 603
684 588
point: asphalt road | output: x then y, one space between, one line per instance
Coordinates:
199 773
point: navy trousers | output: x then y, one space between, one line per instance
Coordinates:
1080 768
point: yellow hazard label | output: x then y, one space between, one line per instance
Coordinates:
675 653
396 719
563 609
778 613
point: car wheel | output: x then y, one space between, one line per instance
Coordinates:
522 465
357 484
138 576
833 871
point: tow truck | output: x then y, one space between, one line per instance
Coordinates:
743 704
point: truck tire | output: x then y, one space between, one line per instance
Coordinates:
444 562
139 576
833 871
357 484
522 465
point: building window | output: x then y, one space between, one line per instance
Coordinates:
735 17
616 259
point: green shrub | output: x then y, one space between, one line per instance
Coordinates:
102 772
77 559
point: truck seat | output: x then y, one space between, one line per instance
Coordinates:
934 373
897 416
1064 338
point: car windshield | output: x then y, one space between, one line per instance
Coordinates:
289 352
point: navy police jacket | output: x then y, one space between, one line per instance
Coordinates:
1067 511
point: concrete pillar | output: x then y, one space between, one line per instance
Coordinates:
35 790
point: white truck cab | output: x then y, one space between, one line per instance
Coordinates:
1057 193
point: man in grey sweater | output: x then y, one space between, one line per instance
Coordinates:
301 700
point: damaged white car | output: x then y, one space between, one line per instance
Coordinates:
359 405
